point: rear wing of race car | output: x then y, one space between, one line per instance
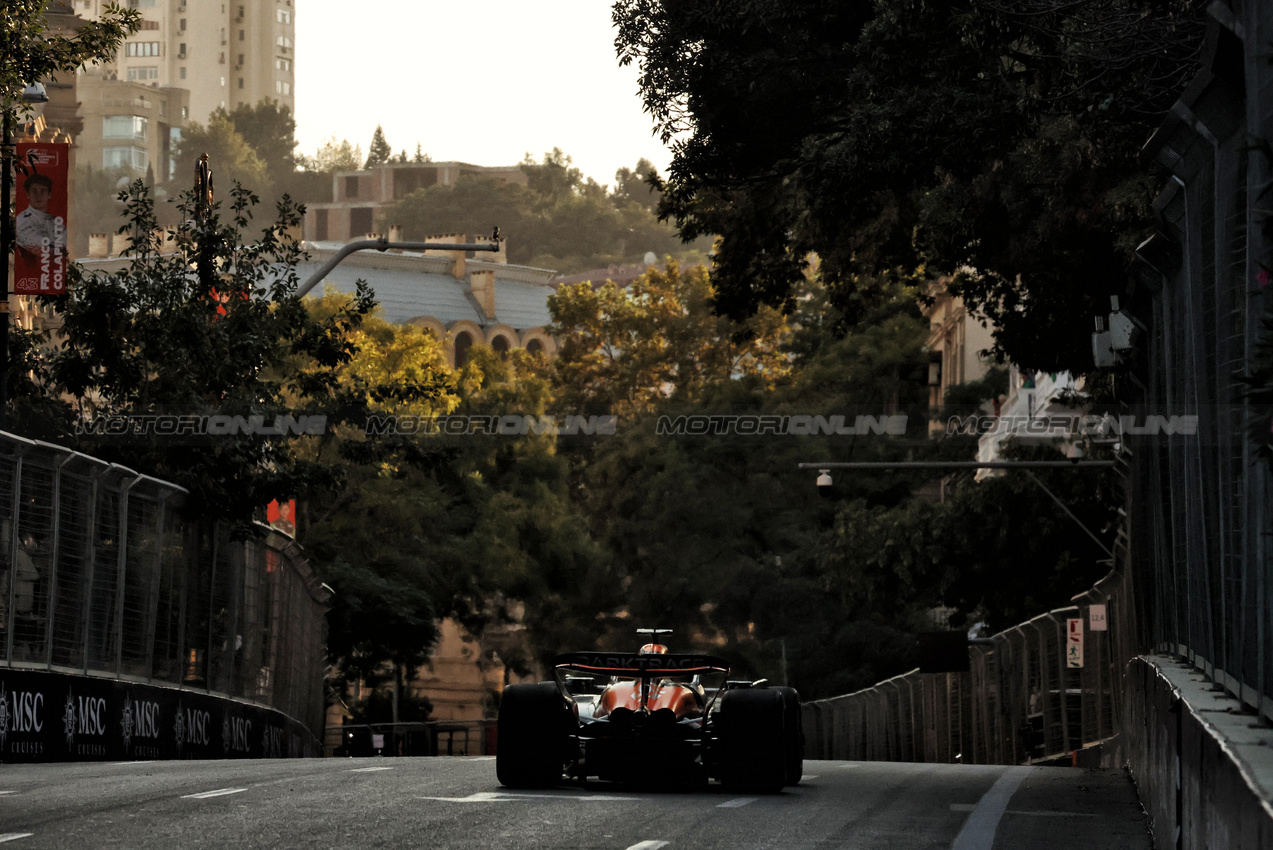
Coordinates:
633 665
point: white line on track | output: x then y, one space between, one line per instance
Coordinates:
7 793
737 802
979 830
13 836
648 845
220 792
367 769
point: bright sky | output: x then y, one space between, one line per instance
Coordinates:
482 83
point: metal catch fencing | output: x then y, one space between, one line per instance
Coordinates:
101 576
1020 702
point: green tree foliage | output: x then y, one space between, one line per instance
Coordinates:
559 220
208 324
28 53
717 536
379 153
231 158
333 156
1001 137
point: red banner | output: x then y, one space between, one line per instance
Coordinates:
39 266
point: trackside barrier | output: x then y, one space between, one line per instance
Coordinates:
102 579
432 738
1019 702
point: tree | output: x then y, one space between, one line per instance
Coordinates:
559 220
270 131
30 53
233 159
208 324
333 156
991 136
379 153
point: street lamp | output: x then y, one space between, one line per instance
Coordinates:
34 93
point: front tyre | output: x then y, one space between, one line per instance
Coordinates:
533 736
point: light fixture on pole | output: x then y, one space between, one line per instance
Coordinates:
33 95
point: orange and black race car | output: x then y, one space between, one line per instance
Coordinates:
652 718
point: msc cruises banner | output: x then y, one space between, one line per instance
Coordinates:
59 717
40 226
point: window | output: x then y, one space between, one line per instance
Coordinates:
142 48
140 4
500 344
282 88
240 82
534 346
124 127
351 187
131 158
181 24
320 225
283 64
284 16
143 72
241 60
241 35
462 344
181 72
181 50
283 41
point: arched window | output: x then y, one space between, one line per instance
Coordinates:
463 342
534 346
500 344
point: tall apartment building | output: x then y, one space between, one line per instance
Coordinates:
224 53
189 58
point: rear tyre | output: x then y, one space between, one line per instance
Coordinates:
752 755
792 735
533 736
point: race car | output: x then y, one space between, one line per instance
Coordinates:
650 718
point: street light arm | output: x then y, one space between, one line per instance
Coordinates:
383 244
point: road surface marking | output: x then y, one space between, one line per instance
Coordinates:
979 830
128 763
503 796
648 845
6 793
367 769
481 758
737 802
805 777
220 792
14 836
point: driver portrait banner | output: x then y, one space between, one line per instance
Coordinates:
40 253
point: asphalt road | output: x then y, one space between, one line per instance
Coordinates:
457 803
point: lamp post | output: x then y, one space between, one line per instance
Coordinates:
34 93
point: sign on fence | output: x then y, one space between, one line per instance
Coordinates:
1096 618
1074 642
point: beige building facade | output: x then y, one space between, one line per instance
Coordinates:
225 53
955 339
358 197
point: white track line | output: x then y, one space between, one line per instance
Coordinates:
737 802
14 836
979 830
220 792
648 845
367 769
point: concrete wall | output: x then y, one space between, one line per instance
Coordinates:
1202 762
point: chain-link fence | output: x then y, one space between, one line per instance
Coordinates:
101 576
